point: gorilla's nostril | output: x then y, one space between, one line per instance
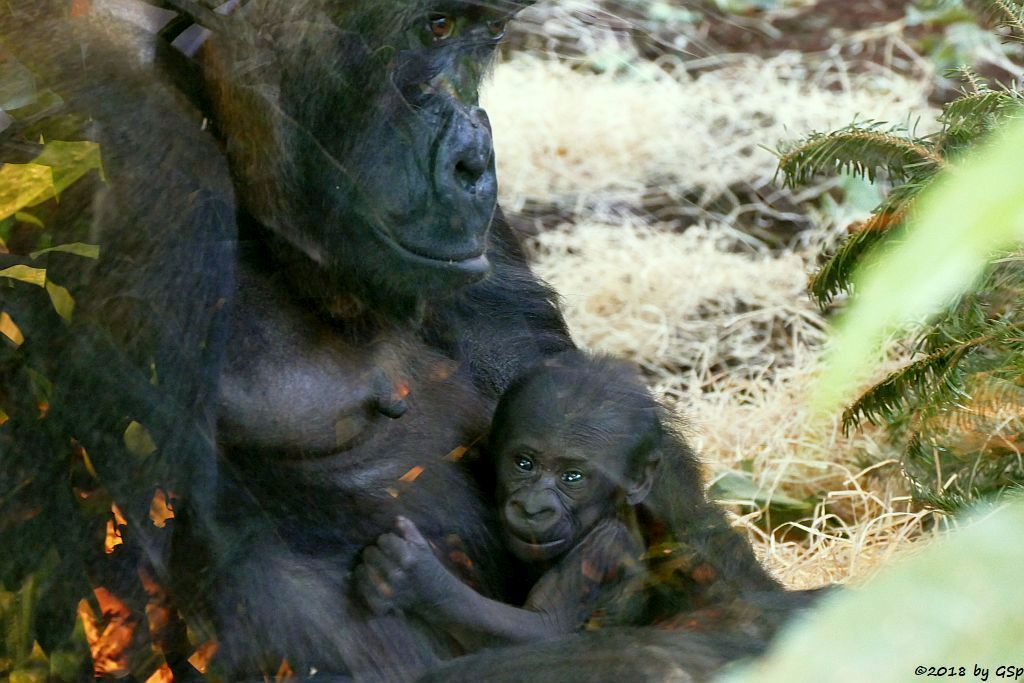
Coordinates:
467 173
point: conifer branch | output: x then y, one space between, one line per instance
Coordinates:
936 378
859 150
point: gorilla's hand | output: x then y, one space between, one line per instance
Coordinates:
401 572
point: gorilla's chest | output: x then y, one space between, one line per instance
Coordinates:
343 435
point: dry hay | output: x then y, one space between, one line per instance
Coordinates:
721 325
566 135
688 306
726 334
863 513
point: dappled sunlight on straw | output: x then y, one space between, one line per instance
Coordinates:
561 132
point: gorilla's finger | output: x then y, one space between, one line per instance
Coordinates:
377 560
373 589
394 547
410 531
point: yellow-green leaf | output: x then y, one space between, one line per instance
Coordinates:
25 217
77 248
24 185
59 165
69 161
138 441
10 330
33 276
62 300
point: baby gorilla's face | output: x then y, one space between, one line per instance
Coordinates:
553 488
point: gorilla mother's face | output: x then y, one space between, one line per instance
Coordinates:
386 166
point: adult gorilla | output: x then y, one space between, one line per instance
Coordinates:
305 307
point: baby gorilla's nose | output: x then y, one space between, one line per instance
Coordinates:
538 513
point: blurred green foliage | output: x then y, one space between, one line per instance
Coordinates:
956 604
943 245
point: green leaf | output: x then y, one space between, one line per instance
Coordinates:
62 300
70 161
25 217
735 486
965 216
956 603
58 166
33 276
138 441
24 185
77 248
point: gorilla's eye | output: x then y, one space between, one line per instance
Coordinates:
571 476
496 27
441 26
524 463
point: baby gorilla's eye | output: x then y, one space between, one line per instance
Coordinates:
524 463
440 26
571 476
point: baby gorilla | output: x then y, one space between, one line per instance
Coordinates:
575 448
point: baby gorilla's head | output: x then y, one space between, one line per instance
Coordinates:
575 439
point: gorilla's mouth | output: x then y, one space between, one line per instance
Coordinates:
474 265
528 549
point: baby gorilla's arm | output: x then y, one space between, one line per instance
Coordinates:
401 572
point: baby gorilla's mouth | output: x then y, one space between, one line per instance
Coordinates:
532 549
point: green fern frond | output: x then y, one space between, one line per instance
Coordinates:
833 278
1008 14
969 110
976 84
937 377
861 150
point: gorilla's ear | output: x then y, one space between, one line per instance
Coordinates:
638 492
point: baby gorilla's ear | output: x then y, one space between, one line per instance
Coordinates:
640 488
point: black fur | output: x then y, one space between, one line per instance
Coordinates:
247 341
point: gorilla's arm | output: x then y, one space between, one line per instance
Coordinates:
402 572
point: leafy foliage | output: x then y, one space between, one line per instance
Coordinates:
959 406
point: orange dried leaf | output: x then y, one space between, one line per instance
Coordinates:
284 672
161 509
457 453
411 475
108 635
113 537
161 675
114 524
200 659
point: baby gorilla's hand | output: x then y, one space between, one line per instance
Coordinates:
401 572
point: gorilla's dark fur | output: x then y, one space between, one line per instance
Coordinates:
305 308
